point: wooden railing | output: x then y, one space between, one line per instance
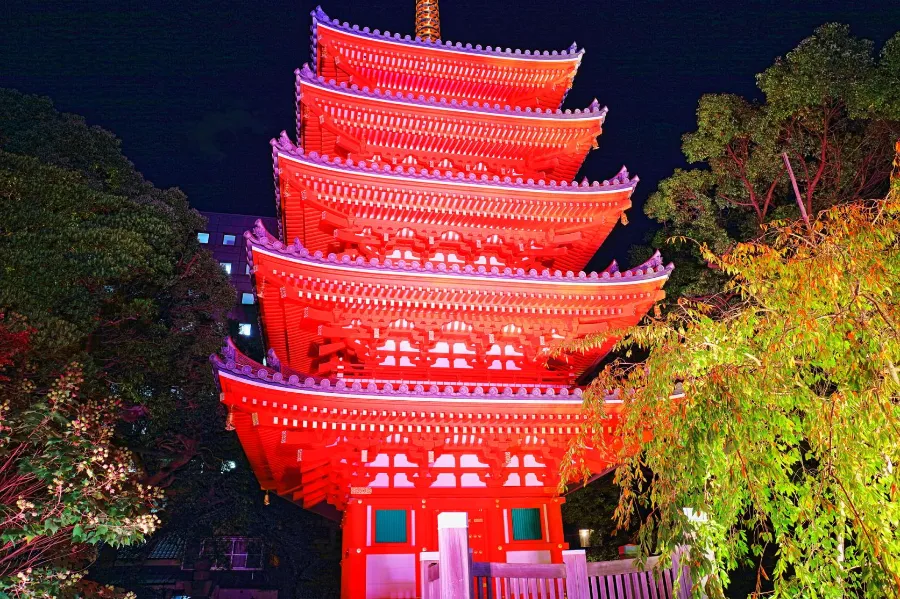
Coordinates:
493 581
451 574
623 578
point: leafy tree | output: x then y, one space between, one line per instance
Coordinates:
829 104
65 485
593 508
787 433
106 270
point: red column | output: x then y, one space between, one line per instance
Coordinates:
554 522
353 564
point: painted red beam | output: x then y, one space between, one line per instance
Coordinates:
353 123
302 294
286 425
333 206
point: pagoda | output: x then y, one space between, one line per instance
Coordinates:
421 294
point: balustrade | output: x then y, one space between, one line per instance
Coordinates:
450 573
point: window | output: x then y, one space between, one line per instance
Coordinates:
245 329
390 526
526 524
235 553
203 237
227 239
247 269
246 298
226 266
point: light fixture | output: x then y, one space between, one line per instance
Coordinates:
584 536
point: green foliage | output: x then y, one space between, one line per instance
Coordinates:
787 434
65 485
593 507
829 104
106 269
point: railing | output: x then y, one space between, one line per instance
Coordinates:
525 581
451 574
623 578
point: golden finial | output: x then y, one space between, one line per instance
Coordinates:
428 20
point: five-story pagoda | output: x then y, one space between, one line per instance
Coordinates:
424 277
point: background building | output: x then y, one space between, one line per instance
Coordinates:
224 237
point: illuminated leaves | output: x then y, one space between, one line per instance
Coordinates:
830 104
788 434
64 485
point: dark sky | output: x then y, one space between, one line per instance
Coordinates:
196 89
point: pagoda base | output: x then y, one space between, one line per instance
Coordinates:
384 535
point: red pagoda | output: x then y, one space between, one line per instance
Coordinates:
419 297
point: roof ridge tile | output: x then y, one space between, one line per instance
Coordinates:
305 73
260 237
622 179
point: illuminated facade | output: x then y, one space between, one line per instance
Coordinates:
418 310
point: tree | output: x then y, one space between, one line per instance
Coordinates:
831 106
593 508
65 485
104 269
787 432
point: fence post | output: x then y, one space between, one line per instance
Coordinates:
426 559
453 550
576 574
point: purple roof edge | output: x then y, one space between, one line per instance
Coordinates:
307 74
652 269
319 16
622 179
229 357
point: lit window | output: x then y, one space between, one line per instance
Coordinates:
247 269
526 524
390 526
203 237
227 239
246 298
226 266
245 329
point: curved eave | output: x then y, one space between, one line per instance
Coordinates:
652 273
303 391
320 19
563 191
306 77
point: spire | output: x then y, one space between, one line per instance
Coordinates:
428 20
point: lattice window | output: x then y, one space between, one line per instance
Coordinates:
526 524
233 553
390 526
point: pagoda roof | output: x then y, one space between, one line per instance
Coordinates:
235 365
364 124
573 53
312 189
653 270
441 68
301 292
622 181
314 440
594 112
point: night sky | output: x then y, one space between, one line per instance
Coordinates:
196 89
